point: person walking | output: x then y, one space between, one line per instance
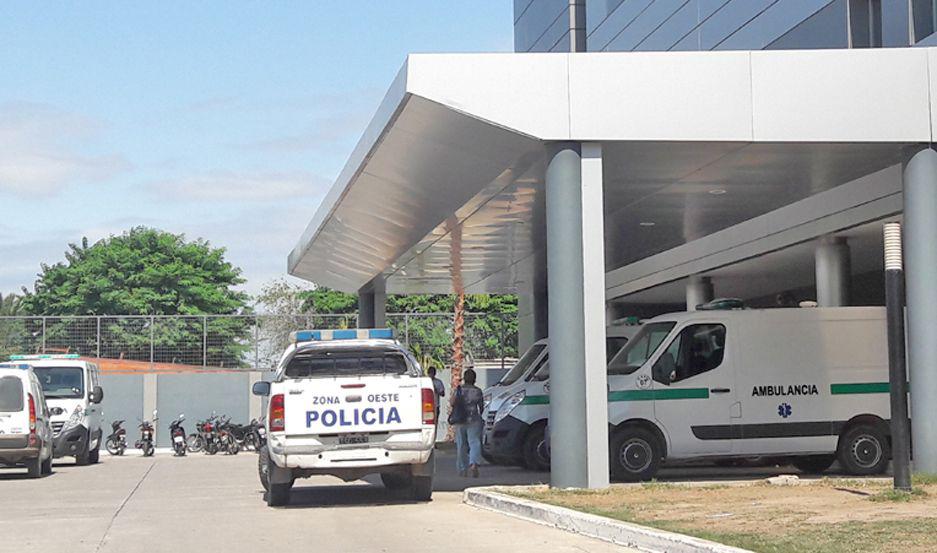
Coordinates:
465 415
439 389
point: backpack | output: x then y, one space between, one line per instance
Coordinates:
458 414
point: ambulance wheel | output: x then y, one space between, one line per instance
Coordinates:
394 481
534 450
863 450
278 494
813 464
421 488
635 454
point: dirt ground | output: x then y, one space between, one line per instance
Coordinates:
829 515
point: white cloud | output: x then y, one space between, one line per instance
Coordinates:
37 150
223 185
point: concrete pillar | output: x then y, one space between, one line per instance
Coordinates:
920 250
699 290
372 305
576 292
150 399
834 271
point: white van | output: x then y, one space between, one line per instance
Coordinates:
74 395
810 385
518 406
25 433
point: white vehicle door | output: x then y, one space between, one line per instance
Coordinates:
694 391
14 410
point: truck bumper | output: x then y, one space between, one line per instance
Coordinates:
70 442
402 449
504 439
16 448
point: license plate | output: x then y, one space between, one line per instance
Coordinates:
353 439
261 431
178 439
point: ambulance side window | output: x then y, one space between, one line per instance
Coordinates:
696 350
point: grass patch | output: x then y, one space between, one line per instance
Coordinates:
924 479
899 496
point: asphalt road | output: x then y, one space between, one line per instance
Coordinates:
200 503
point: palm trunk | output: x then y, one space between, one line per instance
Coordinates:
458 354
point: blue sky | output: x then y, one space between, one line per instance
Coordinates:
222 120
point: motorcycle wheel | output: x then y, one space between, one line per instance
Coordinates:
179 449
210 448
113 446
148 450
195 443
232 447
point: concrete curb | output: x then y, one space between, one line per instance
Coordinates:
605 529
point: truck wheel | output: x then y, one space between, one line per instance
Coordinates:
394 481
634 454
47 465
34 467
863 450
278 494
263 458
83 458
813 464
535 457
94 455
422 488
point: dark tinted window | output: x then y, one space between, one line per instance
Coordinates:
612 346
522 365
345 363
61 382
696 350
11 394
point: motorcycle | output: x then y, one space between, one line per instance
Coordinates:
208 431
116 443
147 435
258 435
177 434
227 441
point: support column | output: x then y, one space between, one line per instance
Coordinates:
372 305
699 290
833 269
576 292
920 249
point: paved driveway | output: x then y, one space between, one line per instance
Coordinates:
201 503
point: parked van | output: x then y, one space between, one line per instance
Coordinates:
25 433
518 407
73 393
810 385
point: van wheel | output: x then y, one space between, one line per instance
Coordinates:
635 454
535 454
34 468
47 465
863 450
813 464
421 488
278 494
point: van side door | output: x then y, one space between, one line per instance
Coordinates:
694 392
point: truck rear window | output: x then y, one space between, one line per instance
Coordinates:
11 394
345 363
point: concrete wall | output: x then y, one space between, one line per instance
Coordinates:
123 400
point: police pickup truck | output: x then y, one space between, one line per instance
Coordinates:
348 403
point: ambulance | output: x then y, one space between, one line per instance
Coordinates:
518 406
806 384
348 403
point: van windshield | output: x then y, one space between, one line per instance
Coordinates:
11 394
637 351
522 365
351 362
61 382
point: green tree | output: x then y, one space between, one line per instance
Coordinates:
11 305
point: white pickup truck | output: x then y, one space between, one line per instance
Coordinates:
348 403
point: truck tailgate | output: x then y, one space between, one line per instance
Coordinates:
365 404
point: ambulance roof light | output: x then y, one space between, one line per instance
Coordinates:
44 356
20 366
345 334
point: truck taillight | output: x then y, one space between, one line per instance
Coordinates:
277 414
32 414
429 406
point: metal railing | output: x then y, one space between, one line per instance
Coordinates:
250 342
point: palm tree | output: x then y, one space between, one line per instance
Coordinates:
10 305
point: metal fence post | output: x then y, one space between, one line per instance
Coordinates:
257 343
205 341
98 349
43 335
406 329
152 340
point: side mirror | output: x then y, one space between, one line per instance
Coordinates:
97 394
155 411
261 388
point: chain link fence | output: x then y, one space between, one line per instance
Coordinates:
242 342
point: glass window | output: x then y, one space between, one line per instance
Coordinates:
11 394
612 346
61 382
924 18
696 350
542 372
345 363
522 365
640 348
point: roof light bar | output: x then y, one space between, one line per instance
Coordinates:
346 334
44 356
20 366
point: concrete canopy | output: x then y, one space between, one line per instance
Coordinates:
444 191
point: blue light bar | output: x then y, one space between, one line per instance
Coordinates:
44 356
20 366
344 334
